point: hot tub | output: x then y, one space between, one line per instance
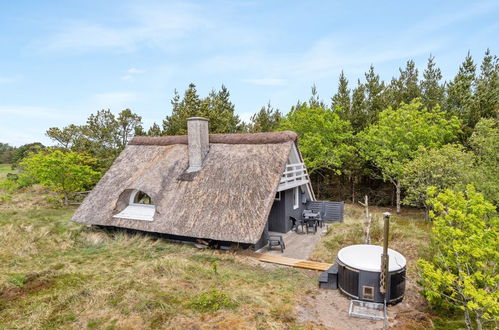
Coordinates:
359 270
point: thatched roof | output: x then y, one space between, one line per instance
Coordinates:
229 199
247 138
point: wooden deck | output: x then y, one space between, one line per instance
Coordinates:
306 264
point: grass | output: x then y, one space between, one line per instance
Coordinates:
409 235
5 169
59 274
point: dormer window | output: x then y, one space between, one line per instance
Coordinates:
140 207
139 197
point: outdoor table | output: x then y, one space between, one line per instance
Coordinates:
308 216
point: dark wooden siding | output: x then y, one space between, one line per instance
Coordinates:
282 210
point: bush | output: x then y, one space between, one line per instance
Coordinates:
211 300
8 185
62 172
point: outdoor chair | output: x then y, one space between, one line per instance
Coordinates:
296 223
311 224
276 240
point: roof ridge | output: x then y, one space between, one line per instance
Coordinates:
231 138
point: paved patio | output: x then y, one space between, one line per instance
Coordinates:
298 246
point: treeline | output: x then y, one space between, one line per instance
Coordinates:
377 138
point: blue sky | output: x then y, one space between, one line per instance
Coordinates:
62 60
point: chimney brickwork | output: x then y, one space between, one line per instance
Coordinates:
198 142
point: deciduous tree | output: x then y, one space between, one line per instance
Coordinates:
395 138
62 172
448 167
324 138
485 144
463 270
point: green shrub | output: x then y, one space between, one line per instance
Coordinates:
5 198
18 280
211 300
8 185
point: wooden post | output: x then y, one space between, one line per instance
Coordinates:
385 261
384 256
367 222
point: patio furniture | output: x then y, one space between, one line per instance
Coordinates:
311 215
276 240
296 223
311 224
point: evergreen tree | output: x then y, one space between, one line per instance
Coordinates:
375 100
218 108
432 90
357 115
487 90
154 130
190 106
102 129
460 92
128 124
341 100
265 120
314 100
406 87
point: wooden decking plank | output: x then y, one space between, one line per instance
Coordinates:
306 264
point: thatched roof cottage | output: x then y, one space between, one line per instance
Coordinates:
222 187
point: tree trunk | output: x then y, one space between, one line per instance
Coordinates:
427 213
467 319
318 188
66 202
478 321
397 187
353 189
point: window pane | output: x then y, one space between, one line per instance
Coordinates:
142 198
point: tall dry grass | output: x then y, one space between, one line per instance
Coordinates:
59 274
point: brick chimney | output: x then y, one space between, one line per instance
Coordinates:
199 144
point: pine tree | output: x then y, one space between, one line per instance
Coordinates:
487 90
432 90
341 100
315 101
154 130
357 115
265 120
221 111
375 99
460 91
190 106
406 87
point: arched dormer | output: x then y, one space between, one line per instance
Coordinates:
140 207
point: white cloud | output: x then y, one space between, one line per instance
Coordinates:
153 26
131 73
135 71
266 81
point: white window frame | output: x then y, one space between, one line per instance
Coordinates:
137 211
296 198
278 194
